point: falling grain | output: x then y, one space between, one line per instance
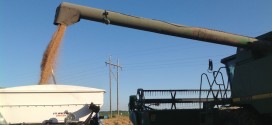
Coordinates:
50 55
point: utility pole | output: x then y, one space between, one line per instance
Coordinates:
109 62
117 80
118 66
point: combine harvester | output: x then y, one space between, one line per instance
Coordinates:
245 99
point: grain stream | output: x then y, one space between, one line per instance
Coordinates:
50 55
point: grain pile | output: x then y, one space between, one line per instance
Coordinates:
120 120
50 55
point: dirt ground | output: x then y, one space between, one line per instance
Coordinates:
120 120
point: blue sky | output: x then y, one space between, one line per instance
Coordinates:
150 60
